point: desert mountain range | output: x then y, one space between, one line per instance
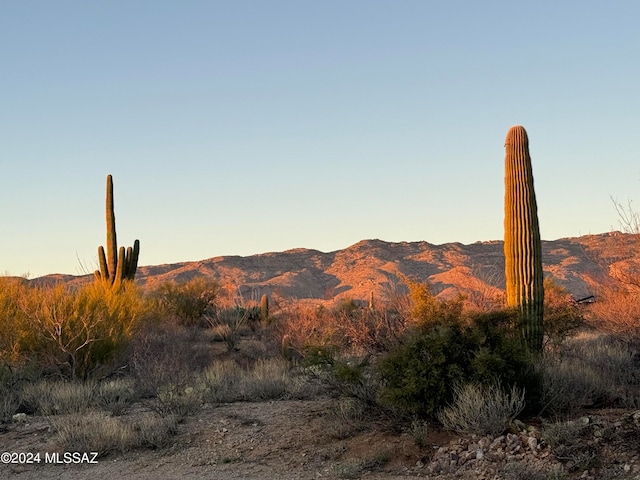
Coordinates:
579 264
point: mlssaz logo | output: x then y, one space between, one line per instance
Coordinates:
71 457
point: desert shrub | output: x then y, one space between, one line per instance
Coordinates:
75 332
616 310
420 375
427 309
189 301
309 332
482 409
567 443
419 431
228 324
570 384
154 431
219 383
268 379
93 432
359 381
12 292
558 434
59 397
366 330
9 403
590 371
167 353
319 334
116 395
178 400
615 360
165 360
563 317
500 355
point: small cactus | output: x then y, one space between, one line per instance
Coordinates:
264 308
522 245
118 264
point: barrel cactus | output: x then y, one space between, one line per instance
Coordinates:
522 245
118 264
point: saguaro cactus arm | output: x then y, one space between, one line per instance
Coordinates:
522 245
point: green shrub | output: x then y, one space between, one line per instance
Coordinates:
500 355
421 374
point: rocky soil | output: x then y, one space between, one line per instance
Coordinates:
311 439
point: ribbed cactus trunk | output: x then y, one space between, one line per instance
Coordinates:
118 264
264 308
522 246
112 242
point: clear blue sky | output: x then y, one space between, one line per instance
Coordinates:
240 127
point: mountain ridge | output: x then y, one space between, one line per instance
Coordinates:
375 266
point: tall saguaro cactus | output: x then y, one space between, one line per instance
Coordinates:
522 246
118 264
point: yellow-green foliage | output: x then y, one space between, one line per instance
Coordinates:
427 309
69 331
11 321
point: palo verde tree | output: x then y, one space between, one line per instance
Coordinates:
118 264
522 245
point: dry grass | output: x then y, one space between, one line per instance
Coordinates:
590 370
271 379
49 397
482 409
93 432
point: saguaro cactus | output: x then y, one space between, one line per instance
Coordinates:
118 264
264 308
522 246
